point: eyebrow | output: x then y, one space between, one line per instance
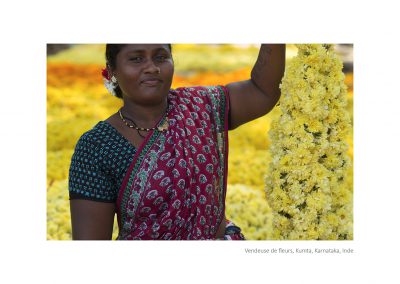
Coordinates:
143 50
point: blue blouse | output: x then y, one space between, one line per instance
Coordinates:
99 164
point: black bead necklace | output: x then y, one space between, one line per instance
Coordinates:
161 128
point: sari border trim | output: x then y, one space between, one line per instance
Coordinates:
225 95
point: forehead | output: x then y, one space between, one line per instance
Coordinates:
143 47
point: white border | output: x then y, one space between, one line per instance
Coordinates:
29 26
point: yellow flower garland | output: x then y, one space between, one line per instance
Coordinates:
306 183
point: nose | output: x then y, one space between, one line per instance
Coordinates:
152 68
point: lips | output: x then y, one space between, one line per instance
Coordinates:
151 81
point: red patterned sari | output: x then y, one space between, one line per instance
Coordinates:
175 187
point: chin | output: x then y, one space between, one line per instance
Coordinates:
153 98
147 95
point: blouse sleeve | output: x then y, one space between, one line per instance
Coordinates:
87 178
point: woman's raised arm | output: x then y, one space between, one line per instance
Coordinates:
256 97
92 220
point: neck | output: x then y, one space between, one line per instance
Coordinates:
144 116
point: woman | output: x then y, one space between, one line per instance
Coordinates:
160 162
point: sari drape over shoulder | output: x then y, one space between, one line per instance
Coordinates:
175 187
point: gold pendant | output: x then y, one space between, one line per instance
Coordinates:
164 126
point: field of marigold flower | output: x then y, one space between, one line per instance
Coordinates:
77 100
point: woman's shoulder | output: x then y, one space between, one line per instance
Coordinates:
199 90
199 94
96 136
95 132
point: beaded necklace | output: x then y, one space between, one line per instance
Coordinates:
161 128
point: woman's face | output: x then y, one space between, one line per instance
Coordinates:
144 72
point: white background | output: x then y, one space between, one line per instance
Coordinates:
27 27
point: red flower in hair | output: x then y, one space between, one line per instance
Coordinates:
107 82
105 74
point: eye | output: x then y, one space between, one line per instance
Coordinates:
161 58
136 59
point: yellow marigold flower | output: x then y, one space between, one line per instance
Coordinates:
306 185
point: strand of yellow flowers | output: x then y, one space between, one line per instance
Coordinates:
305 184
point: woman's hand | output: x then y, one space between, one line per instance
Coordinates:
256 97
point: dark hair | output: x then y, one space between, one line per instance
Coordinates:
112 51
